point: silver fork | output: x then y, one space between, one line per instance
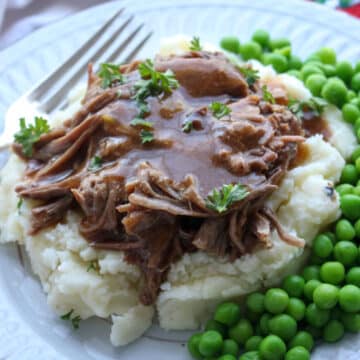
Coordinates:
49 94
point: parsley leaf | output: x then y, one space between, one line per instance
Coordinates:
29 135
219 110
93 266
141 122
110 74
146 136
95 163
187 126
250 74
314 104
220 200
75 320
195 44
267 95
19 204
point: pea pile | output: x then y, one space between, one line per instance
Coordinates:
323 302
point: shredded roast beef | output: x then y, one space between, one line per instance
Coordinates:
149 200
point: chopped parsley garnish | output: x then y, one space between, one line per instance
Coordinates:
93 266
315 105
195 44
110 74
221 200
146 136
19 204
141 122
187 126
75 320
219 110
267 95
95 163
250 74
29 135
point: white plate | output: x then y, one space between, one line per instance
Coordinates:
28 329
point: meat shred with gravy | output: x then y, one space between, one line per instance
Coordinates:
148 200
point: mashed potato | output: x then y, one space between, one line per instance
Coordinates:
99 283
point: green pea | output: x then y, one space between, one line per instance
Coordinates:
264 322
326 296
210 343
215 325
353 276
230 43
295 62
344 71
302 338
251 50
277 61
262 37
358 135
346 252
333 331
344 230
355 101
272 348
253 343
322 246
227 313
331 236
276 300
297 353
294 285
332 272
230 347
255 302
350 95
286 51
311 272
349 298
357 67
310 287
279 43
334 91
315 83
250 355
241 332
327 55
296 308
356 152
315 332
349 174
315 316
193 346
329 70
283 326
316 260
355 82
350 113
310 69
227 357
344 189
350 206
295 73
357 165
351 321
253 316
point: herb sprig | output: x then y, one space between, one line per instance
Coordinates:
94 265
219 109
95 163
110 74
75 320
187 126
314 104
146 136
251 75
221 199
30 134
267 95
19 204
195 44
142 123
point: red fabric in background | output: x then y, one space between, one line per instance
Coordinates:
352 10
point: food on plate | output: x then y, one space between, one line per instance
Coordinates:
177 183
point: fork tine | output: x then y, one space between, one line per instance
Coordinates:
43 85
58 95
133 53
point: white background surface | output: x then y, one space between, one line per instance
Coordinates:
28 329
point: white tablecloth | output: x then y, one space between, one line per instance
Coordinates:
20 17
